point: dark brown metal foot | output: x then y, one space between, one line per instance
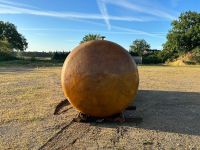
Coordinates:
118 118
60 106
131 108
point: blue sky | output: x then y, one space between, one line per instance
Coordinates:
51 25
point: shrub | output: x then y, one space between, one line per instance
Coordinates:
133 53
4 56
196 54
151 59
35 54
60 56
167 56
33 58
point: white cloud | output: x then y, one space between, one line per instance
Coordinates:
8 2
138 32
82 17
104 12
7 9
121 30
142 9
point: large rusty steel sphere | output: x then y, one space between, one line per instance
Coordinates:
99 78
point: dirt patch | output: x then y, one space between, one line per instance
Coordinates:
14 69
170 120
168 101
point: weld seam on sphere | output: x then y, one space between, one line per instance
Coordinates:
99 78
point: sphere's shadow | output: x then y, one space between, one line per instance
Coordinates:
168 111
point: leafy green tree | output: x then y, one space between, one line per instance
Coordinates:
4 46
90 37
185 33
139 47
10 38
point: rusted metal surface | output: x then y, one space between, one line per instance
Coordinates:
99 78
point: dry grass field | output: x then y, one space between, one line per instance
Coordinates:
168 101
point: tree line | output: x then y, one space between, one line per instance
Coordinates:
183 37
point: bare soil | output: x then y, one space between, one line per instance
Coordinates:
168 101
